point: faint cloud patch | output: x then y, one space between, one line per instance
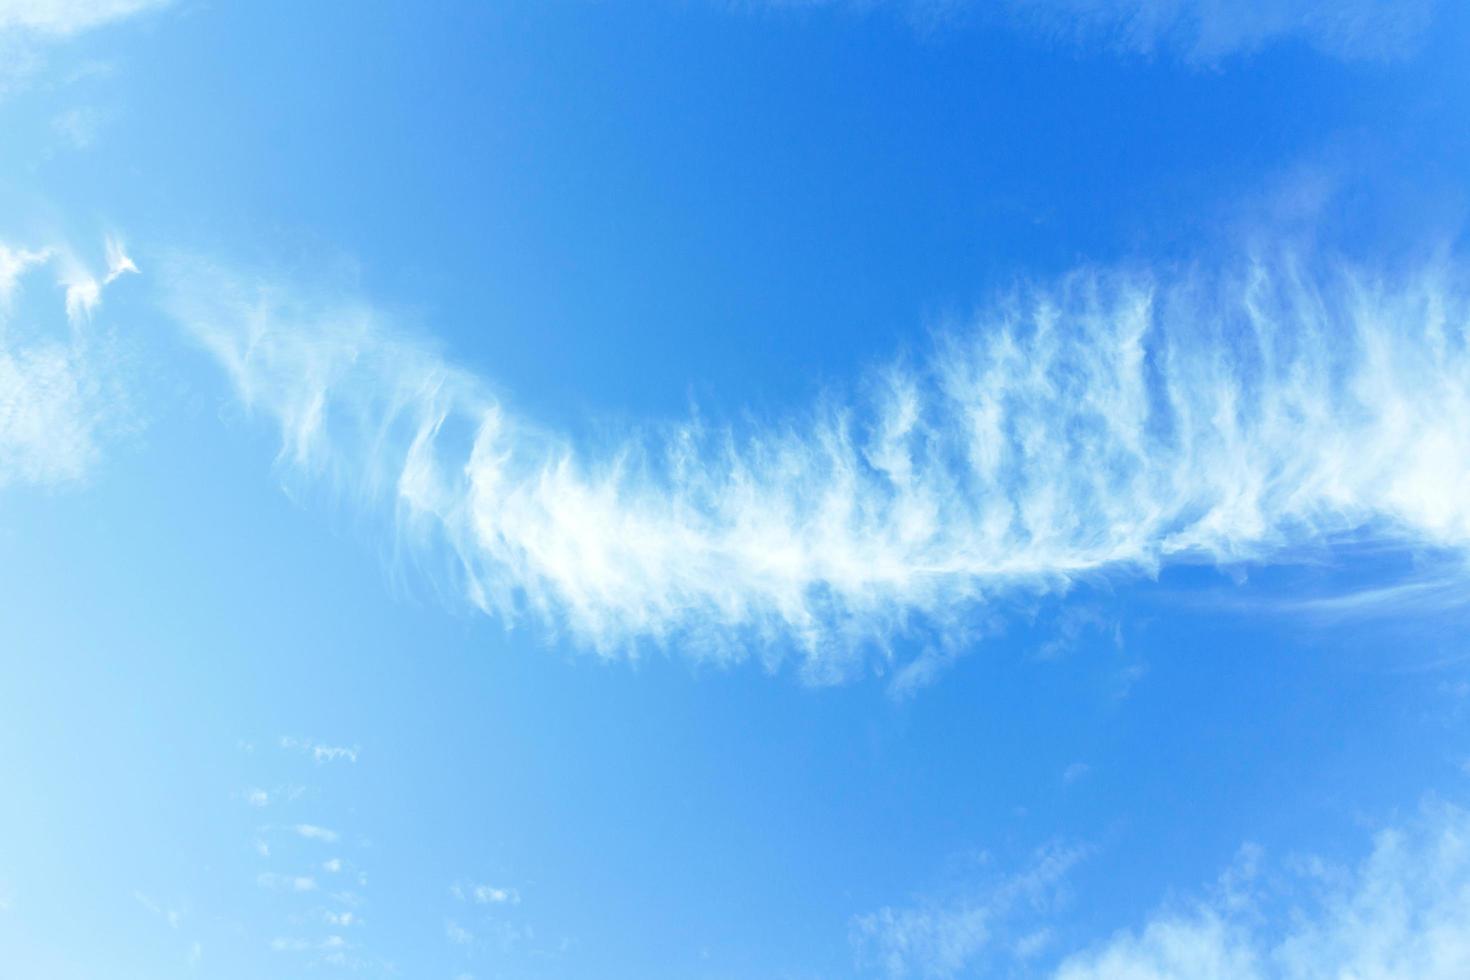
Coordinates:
78 127
170 915
59 388
1206 32
986 923
1075 624
313 832
1401 912
1199 33
485 894
320 752
62 18
29 28
282 882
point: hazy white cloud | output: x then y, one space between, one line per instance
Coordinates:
298 945
1206 31
1073 625
289 883
1436 589
942 938
319 751
30 28
458 934
1199 32
79 126
1404 911
170 915
313 832
66 17
485 894
57 392
1105 425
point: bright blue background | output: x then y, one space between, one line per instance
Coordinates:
609 211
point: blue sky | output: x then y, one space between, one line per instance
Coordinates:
713 489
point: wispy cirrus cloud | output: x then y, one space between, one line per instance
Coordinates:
1207 31
31 29
56 388
942 938
1201 33
172 916
1105 425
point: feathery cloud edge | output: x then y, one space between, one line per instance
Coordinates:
1107 424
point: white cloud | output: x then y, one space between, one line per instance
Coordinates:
319 752
29 28
944 938
257 798
458 934
289 883
1436 589
313 832
1403 912
1206 31
66 17
169 915
56 390
1105 425
481 894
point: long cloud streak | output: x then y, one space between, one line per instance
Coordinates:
1108 424
1207 31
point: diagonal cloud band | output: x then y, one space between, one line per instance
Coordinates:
1108 423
